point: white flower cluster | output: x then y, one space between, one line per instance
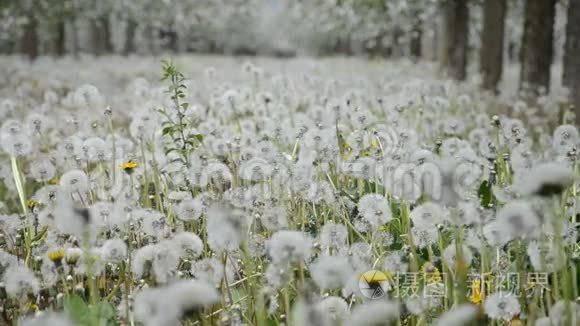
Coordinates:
265 193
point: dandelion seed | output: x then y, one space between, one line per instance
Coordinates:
462 315
502 306
166 305
305 312
42 170
46 319
426 215
420 305
333 235
517 219
548 179
395 263
375 209
425 237
190 209
75 181
211 270
565 139
330 272
450 255
374 313
114 250
188 244
289 247
226 229
274 218
546 257
20 281
560 311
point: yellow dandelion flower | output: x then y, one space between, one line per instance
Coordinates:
431 273
31 204
129 166
476 295
56 256
31 307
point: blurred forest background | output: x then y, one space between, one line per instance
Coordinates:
458 34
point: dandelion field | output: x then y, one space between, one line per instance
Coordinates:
252 191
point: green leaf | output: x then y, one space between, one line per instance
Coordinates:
485 194
167 130
199 137
169 150
104 313
76 308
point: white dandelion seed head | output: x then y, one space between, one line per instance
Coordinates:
502 306
565 139
190 209
333 235
395 262
19 281
335 308
462 315
187 244
450 255
114 250
375 209
546 257
212 271
427 215
289 247
374 313
46 319
74 181
330 272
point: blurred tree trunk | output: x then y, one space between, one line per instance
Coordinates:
396 51
60 40
572 45
537 47
101 36
492 43
170 39
571 75
74 37
130 30
96 38
151 39
29 45
107 35
455 43
416 39
576 100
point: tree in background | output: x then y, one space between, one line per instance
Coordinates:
29 41
571 72
455 38
536 52
492 40
572 45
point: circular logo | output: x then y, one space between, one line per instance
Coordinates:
374 284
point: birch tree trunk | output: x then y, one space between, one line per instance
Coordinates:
537 47
492 39
456 34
